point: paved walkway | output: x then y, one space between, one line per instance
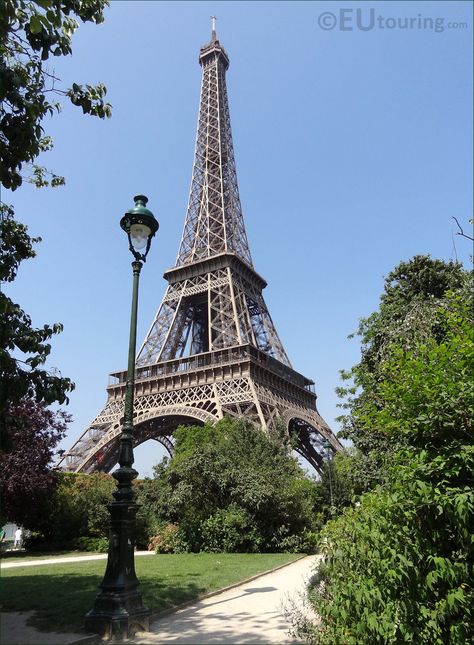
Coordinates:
250 613
59 560
15 631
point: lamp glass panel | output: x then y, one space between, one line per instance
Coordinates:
139 234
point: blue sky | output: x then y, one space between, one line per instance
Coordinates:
353 152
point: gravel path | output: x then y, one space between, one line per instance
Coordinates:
249 613
61 560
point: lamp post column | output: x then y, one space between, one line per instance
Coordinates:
126 440
118 609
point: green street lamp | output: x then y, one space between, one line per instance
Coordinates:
118 609
330 471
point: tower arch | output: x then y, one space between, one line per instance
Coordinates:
158 424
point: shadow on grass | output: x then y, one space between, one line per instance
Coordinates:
60 601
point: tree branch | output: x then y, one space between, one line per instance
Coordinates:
461 232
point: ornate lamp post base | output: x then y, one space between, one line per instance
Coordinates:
118 610
122 618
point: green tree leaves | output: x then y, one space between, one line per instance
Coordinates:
232 486
23 349
398 568
77 509
409 315
32 32
91 99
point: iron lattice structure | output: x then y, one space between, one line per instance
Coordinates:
212 349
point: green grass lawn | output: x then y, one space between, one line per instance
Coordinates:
61 594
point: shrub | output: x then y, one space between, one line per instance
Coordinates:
100 545
398 567
78 508
34 541
309 542
167 540
232 530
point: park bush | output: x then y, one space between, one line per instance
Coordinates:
398 566
232 487
167 539
309 542
34 541
98 545
77 509
231 530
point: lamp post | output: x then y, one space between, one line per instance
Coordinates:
118 609
327 446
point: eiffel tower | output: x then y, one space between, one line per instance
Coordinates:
212 349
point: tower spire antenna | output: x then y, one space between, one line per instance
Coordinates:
213 28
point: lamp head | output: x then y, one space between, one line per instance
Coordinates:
140 225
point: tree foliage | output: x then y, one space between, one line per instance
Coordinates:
231 486
336 488
76 513
27 479
23 348
399 567
32 33
407 316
